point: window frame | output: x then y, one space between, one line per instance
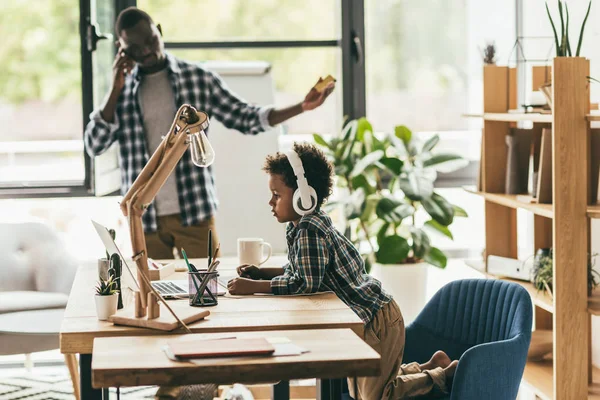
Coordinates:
351 44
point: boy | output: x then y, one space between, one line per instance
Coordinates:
322 259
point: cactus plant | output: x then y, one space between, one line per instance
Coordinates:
113 235
115 271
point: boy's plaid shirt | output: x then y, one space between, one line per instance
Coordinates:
193 85
322 259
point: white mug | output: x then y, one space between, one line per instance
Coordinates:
250 251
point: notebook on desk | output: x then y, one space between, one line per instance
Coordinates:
185 349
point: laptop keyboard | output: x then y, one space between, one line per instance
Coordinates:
167 288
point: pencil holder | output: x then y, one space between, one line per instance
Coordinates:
203 287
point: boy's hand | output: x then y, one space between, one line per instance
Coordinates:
249 271
241 286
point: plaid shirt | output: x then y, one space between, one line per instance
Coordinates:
322 259
193 85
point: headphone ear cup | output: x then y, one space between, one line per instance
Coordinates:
297 201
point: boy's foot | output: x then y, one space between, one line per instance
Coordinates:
439 359
450 370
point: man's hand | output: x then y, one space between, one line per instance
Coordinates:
121 67
242 286
314 98
249 271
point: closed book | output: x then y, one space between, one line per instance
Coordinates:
220 348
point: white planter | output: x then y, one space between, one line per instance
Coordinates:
106 306
407 283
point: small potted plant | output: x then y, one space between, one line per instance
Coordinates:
543 272
107 297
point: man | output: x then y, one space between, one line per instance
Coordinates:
148 87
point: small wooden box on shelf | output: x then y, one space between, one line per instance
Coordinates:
561 217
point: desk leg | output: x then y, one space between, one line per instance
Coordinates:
281 391
85 376
329 389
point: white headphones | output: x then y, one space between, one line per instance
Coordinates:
305 197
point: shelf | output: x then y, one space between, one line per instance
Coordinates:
513 201
519 201
539 298
517 117
513 117
594 303
538 376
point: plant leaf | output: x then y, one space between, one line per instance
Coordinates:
421 242
363 125
365 162
582 28
562 28
392 164
356 204
440 228
436 258
392 210
392 250
459 212
436 159
403 133
431 143
370 206
439 208
319 140
553 30
362 181
382 233
416 184
567 31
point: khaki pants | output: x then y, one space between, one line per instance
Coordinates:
385 334
172 236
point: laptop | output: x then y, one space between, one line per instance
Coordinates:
166 288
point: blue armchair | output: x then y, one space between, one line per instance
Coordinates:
484 323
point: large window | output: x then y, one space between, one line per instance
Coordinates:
40 94
416 63
300 43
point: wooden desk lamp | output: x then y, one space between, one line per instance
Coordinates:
187 128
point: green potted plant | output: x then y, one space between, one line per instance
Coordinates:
387 185
106 298
542 272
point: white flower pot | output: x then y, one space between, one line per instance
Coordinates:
407 283
106 306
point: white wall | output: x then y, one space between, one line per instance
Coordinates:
536 23
241 184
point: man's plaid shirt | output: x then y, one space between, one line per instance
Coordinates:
322 259
193 85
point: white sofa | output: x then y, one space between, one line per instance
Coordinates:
36 275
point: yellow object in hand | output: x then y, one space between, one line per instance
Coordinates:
320 86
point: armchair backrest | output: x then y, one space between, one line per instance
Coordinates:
469 312
33 257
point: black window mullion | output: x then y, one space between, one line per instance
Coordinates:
353 58
265 44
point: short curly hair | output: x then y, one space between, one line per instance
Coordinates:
317 169
129 17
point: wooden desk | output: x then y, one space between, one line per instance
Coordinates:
135 361
233 314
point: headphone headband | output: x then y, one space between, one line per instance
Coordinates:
303 186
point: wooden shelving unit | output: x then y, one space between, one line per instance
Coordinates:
518 117
563 225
